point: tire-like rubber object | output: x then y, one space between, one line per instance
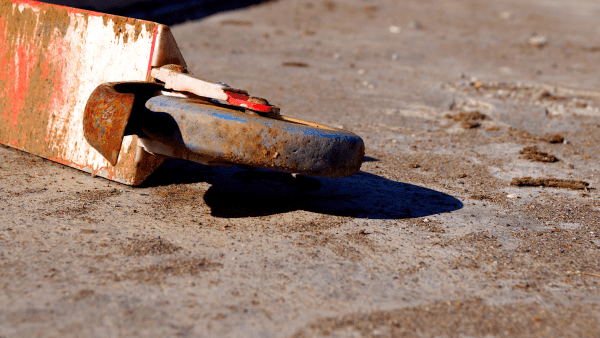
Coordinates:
238 137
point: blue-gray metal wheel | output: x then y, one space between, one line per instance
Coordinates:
198 129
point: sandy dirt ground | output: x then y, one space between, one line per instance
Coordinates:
441 234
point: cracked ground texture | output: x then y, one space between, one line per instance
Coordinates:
457 101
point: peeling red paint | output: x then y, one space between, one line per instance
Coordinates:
152 51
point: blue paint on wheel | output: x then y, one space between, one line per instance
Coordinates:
228 117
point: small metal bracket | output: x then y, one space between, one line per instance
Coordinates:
176 79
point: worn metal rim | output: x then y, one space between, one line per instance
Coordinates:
278 143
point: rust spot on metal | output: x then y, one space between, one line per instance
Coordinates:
177 68
108 111
105 119
120 24
259 100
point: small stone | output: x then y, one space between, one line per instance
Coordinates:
513 196
361 71
506 15
395 57
538 41
395 29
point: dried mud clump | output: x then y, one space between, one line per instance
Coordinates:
548 182
81 294
525 136
88 231
295 64
533 154
547 95
152 246
552 138
468 120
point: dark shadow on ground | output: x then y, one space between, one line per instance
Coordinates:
370 159
166 12
250 193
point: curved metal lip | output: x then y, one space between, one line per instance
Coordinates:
108 111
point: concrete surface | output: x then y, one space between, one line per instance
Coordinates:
429 240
